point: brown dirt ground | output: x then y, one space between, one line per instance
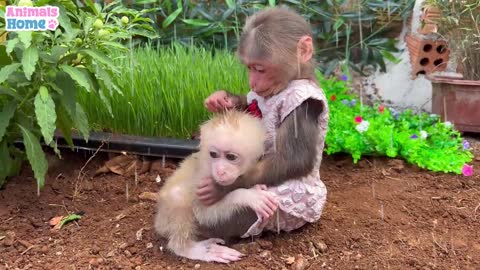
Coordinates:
380 214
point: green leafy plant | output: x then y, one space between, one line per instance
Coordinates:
460 26
42 74
355 33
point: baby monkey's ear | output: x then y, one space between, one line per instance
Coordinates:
305 49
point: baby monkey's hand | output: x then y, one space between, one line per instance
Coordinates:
263 202
206 192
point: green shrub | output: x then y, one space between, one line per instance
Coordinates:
355 33
42 74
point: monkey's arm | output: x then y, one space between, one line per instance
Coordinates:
296 148
256 198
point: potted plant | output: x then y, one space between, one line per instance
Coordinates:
457 99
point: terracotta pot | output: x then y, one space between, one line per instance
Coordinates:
458 101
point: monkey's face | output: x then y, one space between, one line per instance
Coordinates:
226 166
264 78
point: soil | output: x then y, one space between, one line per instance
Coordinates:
381 214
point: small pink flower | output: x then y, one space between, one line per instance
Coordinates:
358 119
467 170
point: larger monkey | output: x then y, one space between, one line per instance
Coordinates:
277 48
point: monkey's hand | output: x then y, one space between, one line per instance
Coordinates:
221 100
207 193
263 202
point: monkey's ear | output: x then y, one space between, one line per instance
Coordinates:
305 49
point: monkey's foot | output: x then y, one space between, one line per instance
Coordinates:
210 251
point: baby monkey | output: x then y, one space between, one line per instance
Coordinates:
230 144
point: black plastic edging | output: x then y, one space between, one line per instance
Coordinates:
140 145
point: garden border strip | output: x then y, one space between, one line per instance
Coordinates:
139 145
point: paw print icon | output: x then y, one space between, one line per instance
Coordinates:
52 24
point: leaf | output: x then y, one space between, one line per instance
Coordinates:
339 22
6 71
11 43
25 37
106 102
100 57
377 41
196 22
5 59
390 57
171 17
92 6
145 2
141 19
67 219
81 122
69 97
78 76
29 61
10 92
64 21
144 33
227 13
103 75
64 122
57 52
9 165
54 145
230 3
272 3
114 45
5 117
69 4
35 156
45 113
87 24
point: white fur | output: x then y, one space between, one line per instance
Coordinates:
178 206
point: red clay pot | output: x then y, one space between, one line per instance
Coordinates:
458 101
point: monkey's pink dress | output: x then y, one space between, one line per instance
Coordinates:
300 200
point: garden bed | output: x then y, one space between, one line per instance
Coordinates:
381 214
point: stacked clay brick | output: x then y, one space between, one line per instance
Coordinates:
428 53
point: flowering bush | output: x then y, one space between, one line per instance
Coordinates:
421 139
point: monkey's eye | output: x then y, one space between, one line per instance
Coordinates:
259 69
231 157
213 154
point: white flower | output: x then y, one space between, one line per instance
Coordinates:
423 134
363 126
448 124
